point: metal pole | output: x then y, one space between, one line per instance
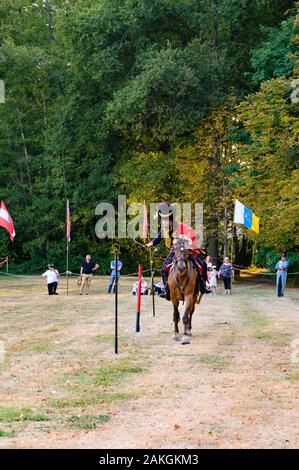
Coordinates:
7 265
232 247
116 301
153 283
67 268
138 298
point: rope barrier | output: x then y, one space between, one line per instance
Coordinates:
61 274
18 275
267 274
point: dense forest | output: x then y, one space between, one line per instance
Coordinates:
178 100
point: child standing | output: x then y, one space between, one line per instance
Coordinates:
213 280
226 272
52 276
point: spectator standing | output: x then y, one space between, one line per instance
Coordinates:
213 280
51 276
226 273
209 262
86 274
115 271
281 276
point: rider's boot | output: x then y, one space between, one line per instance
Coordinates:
202 285
203 288
167 292
166 287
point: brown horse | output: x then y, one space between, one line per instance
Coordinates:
183 286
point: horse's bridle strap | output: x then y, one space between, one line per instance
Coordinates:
177 282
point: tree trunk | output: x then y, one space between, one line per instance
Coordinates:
214 27
26 153
225 232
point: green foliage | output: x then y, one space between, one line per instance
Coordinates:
87 421
11 414
141 98
274 57
268 258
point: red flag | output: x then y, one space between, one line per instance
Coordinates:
145 226
188 232
6 221
68 221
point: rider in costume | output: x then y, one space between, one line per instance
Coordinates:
171 229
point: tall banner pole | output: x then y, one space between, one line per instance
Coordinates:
67 267
116 249
153 283
139 298
232 247
68 239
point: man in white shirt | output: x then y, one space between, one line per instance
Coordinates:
52 276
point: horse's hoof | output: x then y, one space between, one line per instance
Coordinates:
185 340
175 337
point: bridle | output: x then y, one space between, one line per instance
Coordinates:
187 264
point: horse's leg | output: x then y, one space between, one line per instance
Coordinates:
176 319
186 321
192 302
190 317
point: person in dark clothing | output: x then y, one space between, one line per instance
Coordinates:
226 272
86 274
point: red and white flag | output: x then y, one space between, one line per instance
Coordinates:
6 221
68 221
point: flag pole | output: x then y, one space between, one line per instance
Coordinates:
68 239
138 299
232 247
153 286
116 248
67 267
116 304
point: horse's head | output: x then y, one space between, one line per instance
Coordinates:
181 254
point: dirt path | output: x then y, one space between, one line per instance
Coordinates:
234 386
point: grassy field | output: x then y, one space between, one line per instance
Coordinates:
62 386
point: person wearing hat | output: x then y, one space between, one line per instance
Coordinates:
281 277
169 231
51 276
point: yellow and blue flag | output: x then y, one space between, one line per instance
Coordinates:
246 217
